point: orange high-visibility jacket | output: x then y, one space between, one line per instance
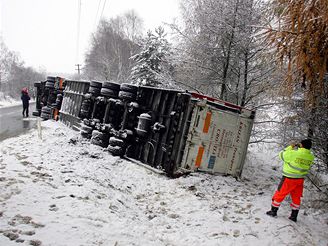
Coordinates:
297 163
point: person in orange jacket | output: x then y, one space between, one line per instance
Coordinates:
297 163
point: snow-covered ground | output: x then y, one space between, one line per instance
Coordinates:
9 102
62 190
6 101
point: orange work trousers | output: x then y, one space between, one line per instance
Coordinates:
291 186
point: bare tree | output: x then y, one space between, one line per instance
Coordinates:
111 47
7 58
132 25
14 75
219 51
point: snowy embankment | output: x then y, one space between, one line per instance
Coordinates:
11 102
6 101
62 190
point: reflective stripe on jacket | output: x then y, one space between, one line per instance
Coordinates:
297 163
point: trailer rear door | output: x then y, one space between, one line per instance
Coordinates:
217 140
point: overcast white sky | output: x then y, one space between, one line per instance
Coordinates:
44 32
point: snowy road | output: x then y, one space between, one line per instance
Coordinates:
63 191
12 122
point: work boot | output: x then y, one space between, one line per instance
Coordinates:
272 212
293 215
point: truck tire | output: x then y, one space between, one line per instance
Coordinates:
85 134
129 88
116 150
99 135
127 96
51 78
87 129
50 85
46 113
113 141
94 90
46 110
84 113
45 116
111 85
86 122
36 113
99 138
108 93
86 104
37 84
98 142
95 84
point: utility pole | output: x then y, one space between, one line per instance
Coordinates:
78 38
78 68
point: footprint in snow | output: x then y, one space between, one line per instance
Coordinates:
28 233
15 233
53 207
20 157
27 220
35 243
19 219
236 233
26 163
257 220
173 216
11 235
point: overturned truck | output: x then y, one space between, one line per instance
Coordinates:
170 130
49 96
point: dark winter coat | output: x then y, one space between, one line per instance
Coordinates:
25 99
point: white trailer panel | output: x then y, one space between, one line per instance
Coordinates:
217 139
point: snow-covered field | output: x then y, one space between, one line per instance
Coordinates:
8 101
62 190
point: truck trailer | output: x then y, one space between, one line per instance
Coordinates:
170 130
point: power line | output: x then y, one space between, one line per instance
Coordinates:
103 9
78 31
99 2
78 68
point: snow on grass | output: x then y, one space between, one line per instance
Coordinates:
62 190
6 101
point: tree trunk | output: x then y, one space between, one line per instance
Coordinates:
312 119
223 94
243 100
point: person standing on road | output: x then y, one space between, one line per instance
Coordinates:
25 99
297 163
